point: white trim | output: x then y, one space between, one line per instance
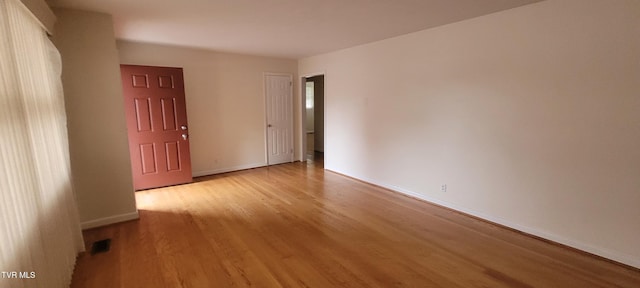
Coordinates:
324 114
303 113
41 11
602 252
303 119
228 169
314 74
109 220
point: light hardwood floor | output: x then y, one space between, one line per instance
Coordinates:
295 225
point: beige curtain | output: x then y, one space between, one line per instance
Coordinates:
40 233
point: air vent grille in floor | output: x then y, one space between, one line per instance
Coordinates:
100 246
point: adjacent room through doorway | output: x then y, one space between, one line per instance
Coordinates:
314 121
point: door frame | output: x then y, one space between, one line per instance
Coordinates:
266 115
303 113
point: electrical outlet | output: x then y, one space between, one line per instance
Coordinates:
443 188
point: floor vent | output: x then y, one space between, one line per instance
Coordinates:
100 246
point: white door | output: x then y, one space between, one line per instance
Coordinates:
279 97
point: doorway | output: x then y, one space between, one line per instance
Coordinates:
313 94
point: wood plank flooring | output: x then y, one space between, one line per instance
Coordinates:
296 225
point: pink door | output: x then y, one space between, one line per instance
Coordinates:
157 123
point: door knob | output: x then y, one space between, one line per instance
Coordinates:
183 127
268 125
185 136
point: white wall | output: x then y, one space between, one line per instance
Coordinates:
98 144
531 116
225 102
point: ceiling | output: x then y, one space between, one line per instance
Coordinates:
280 28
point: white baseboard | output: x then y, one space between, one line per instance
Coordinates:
612 255
228 169
109 220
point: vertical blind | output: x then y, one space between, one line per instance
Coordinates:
40 233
